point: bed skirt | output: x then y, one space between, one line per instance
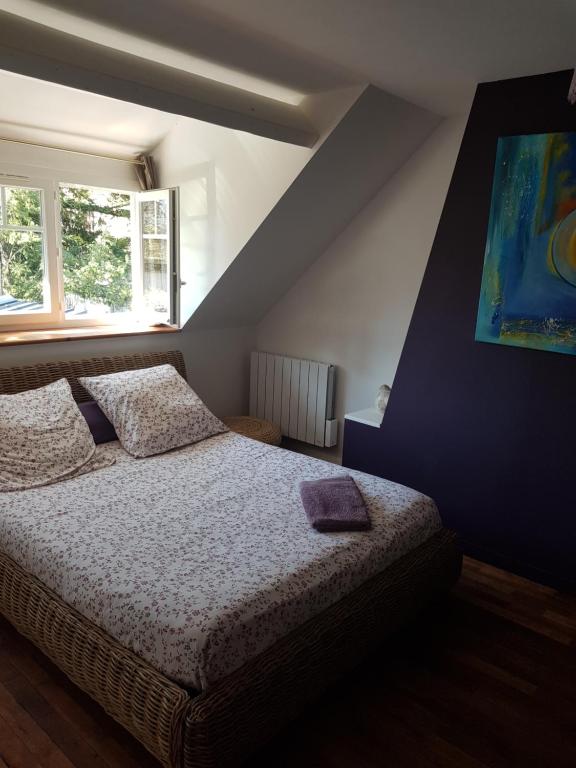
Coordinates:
221 726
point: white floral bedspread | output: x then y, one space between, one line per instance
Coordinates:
201 558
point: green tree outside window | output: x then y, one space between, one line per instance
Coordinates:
95 247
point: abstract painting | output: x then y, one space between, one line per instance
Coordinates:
528 293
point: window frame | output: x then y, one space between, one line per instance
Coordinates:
172 236
53 258
51 271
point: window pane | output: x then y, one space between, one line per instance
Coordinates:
23 207
96 245
21 272
156 284
154 216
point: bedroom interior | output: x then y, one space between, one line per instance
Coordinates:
285 427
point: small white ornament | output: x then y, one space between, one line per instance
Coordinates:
382 397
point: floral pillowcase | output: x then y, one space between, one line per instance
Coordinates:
153 409
44 438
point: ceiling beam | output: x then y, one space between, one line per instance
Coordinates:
38 51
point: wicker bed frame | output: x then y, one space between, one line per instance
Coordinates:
221 726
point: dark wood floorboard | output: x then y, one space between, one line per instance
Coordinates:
486 680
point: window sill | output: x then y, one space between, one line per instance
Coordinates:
12 338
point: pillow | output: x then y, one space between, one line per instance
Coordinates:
44 438
153 409
102 430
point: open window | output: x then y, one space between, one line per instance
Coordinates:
156 279
84 255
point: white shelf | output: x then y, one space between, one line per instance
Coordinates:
370 416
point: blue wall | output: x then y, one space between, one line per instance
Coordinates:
489 431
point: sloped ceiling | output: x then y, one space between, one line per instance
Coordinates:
80 58
372 141
194 38
37 111
430 53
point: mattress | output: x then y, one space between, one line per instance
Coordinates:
199 559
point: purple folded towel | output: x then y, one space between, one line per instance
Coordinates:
334 504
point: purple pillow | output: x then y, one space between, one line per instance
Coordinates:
102 430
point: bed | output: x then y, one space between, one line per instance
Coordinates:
209 614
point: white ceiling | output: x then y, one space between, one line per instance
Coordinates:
431 52
33 110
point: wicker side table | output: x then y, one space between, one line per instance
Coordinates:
257 429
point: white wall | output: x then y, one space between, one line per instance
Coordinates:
229 181
217 361
375 138
352 307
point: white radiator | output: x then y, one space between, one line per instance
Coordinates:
297 395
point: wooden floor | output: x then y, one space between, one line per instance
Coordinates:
490 683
